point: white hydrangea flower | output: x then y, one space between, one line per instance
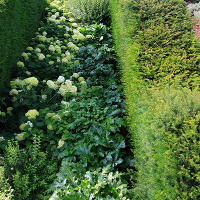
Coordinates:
13 92
74 24
65 60
29 48
52 48
72 46
60 143
44 97
20 137
32 114
75 75
25 55
42 38
28 73
41 56
58 42
50 127
73 89
44 33
52 85
68 83
20 64
63 90
67 53
53 17
88 36
22 126
29 124
38 50
83 83
62 18
58 49
80 79
67 28
77 35
71 19
31 81
51 62
61 79
57 14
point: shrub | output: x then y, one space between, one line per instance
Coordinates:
178 114
155 45
29 171
90 11
5 189
166 144
168 48
96 184
18 21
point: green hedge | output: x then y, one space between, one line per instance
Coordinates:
169 50
167 144
19 20
156 46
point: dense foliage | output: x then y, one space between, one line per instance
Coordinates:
90 11
168 135
5 188
65 110
168 50
29 171
18 21
155 45
67 95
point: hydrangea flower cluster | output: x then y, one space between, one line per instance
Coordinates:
77 35
32 114
63 86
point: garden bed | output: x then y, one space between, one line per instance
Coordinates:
66 107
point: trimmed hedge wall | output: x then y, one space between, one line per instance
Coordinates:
156 47
19 20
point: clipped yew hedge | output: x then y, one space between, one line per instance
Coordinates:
19 20
156 47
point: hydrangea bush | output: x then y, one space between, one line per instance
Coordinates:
67 93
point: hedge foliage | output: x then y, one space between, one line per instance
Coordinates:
168 49
167 144
19 19
156 46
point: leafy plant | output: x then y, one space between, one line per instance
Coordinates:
90 11
166 144
5 189
99 184
29 171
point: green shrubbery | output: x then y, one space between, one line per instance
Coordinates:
29 171
168 50
167 149
90 11
5 188
67 93
156 46
18 21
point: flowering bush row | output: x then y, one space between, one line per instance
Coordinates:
67 93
